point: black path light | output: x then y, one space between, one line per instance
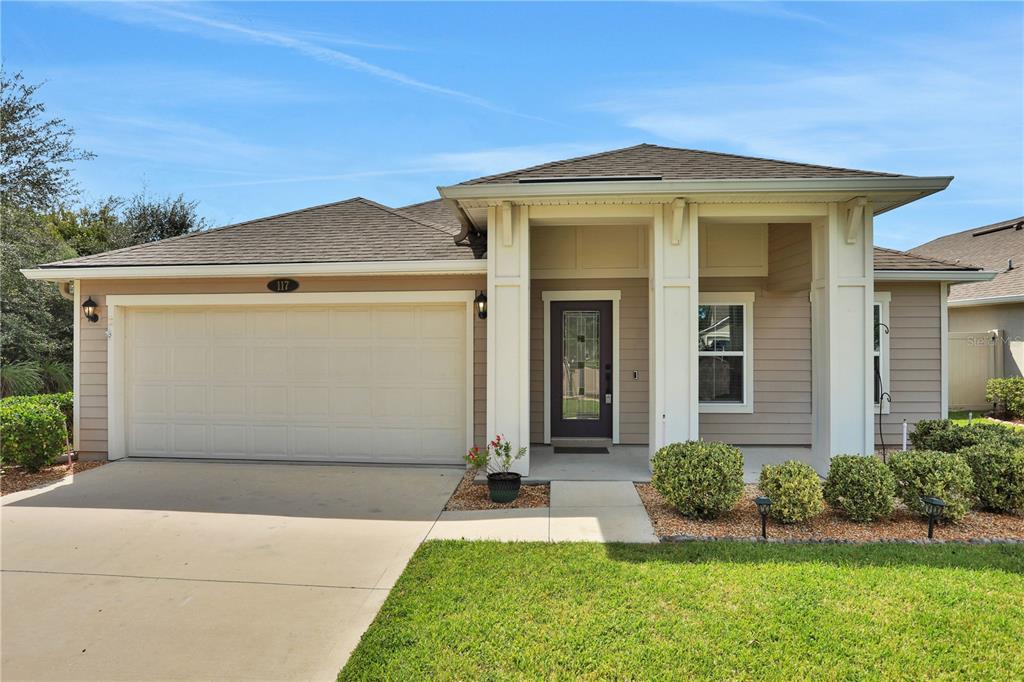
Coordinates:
934 507
763 505
481 305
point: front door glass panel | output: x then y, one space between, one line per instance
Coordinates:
581 365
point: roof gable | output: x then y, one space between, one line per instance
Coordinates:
654 162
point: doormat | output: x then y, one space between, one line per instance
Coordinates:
580 451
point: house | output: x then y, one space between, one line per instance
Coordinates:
635 297
986 319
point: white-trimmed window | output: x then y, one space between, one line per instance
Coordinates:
880 349
725 352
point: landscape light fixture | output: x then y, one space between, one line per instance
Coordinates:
934 507
89 310
763 505
481 305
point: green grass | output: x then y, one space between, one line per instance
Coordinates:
493 611
961 419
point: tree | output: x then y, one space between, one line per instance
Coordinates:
148 220
34 151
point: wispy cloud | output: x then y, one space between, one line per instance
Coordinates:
168 17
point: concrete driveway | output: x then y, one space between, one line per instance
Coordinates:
200 570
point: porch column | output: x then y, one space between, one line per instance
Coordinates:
508 326
673 323
842 299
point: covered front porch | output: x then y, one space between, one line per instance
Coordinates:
747 322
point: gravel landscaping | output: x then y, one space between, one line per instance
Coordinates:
14 479
471 496
743 521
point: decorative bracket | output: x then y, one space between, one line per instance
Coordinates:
854 218
678 206
506 222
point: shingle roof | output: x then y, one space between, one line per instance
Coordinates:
989 247
434 211
891 259
353 230
671 163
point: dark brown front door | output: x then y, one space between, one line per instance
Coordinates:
581 369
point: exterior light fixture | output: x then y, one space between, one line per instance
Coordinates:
763 505
934 507
89 310
481 305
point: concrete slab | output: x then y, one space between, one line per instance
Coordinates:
202 570
622 463
601 524
593 494
530 525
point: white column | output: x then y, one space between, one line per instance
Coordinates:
673 321
842 298
508 326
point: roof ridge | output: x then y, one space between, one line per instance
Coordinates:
766 158
398 212
197 233
559 162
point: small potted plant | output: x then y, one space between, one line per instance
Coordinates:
496 459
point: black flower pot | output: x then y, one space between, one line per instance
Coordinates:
504 486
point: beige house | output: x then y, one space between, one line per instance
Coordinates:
986 319
621 300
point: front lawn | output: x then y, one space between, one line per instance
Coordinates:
963 418
483 610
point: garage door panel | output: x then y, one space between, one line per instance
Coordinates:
380 383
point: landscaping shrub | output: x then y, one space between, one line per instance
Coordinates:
998 474
862 487
1007 395
62 401
698 478
795 490
934 474
945 436
32 433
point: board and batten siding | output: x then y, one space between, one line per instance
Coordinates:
633 352
915 362
93 337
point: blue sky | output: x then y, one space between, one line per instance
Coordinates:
255 109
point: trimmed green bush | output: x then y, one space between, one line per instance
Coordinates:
32 433
862 487
931 473
699 478
1007 395
998 474
62 401
945 436
795 490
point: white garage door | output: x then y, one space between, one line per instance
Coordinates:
343 383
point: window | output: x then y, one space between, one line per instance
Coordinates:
880 348
725 339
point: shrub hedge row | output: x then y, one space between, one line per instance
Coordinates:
34 429
1007 395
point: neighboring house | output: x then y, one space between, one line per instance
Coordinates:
986 319
639 296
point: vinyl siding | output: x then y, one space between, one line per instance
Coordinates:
914 358
93 350
633 352
782 347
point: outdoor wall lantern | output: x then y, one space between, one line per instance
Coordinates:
934 507
89 310
481 305
763 505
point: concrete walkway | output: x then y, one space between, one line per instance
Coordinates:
581 511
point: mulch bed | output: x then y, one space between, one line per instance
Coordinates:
471 496
14 479
743 521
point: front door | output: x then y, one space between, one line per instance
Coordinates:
581 369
